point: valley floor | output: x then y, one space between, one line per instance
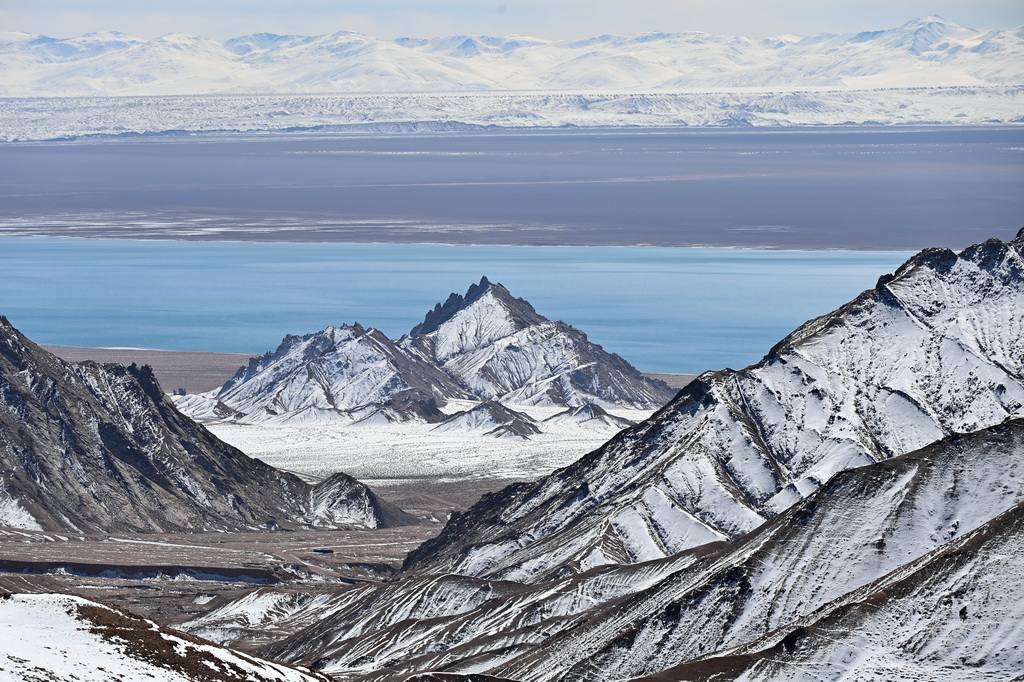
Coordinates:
172 578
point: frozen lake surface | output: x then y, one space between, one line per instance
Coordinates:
893 188
664 309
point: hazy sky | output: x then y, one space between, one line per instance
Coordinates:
222 19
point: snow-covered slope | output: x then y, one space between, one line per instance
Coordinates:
99 448
485 346
954 615
925 51
331 375
867 529
60 637
863 525
932 350
501 349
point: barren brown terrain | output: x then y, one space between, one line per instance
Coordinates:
171 578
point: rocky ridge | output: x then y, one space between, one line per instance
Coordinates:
911 523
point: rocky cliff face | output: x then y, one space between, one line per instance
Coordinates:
99 448
932 350
485 345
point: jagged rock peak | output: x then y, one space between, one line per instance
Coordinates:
522 312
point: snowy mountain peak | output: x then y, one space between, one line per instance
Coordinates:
484 345
519 312
500 348
932 21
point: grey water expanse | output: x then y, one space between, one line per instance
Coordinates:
806 188
663 309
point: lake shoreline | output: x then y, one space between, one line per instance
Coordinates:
200 371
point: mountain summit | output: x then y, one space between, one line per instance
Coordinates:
485 345
500 348
517 312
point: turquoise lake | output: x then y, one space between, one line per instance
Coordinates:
663 309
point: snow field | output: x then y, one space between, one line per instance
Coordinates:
389 454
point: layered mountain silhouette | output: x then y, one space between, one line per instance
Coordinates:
86 447
485 345
851 502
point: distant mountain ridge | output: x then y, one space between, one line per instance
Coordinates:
923 51
486 345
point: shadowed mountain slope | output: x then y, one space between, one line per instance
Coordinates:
866 529
99 448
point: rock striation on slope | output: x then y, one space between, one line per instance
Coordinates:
953 615
932 350
896 530
86 447
486 345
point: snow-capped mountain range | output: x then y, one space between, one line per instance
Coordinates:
485 345
925 51
851 504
